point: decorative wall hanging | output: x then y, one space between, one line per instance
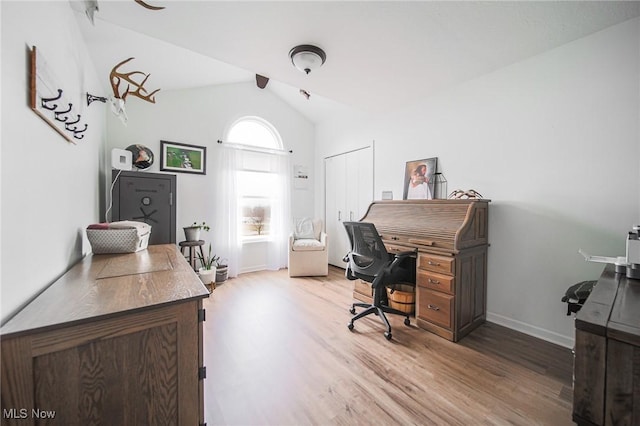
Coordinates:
300 177
90 7
50 102
179 157
460 194
418 179
142 157
148 6
116 77
93 98
117 105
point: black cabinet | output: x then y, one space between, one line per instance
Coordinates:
146 197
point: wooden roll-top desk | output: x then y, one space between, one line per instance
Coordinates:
451 239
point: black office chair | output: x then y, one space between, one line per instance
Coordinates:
369 260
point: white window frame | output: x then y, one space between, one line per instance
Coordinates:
277 145
262 122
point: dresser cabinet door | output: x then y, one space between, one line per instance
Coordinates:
129 370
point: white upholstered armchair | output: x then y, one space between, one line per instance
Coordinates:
308 252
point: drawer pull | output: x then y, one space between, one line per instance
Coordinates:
433 263
433 281
434 307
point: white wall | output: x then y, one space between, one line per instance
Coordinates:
553 141
201 117
50 187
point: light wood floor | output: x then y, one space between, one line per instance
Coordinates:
278 352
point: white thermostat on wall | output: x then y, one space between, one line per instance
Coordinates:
121 159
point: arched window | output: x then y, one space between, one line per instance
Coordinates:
254 131
259 178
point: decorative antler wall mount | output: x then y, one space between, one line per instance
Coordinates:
90 7
132 87
148 6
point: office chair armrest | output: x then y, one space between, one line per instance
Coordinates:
403 254
399 257
349 275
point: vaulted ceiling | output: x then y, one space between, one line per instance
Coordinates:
381 55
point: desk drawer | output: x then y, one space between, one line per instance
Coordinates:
395 248
435 281
435 263
362 291
362 287
435 307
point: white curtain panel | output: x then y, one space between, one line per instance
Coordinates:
226 210
278 249
227 226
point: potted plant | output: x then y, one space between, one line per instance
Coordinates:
207 271
222 269
192 233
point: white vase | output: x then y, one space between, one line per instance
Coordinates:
207 276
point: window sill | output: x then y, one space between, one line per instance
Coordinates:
256 239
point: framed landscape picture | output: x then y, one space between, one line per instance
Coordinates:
418 179
183 158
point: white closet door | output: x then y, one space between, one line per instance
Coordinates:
360 191
335 195
348 193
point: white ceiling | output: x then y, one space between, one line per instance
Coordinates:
381 55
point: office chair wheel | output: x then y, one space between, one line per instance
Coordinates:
350 326
407 321
387 334
352 310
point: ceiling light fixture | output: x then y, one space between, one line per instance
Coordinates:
307 57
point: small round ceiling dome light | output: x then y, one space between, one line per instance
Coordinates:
307 57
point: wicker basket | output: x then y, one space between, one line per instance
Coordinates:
403 297
118 237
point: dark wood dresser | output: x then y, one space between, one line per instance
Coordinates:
451 239
117 340
606 388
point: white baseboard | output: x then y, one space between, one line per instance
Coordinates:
531 330
253 269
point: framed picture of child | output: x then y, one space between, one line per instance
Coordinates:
418 179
